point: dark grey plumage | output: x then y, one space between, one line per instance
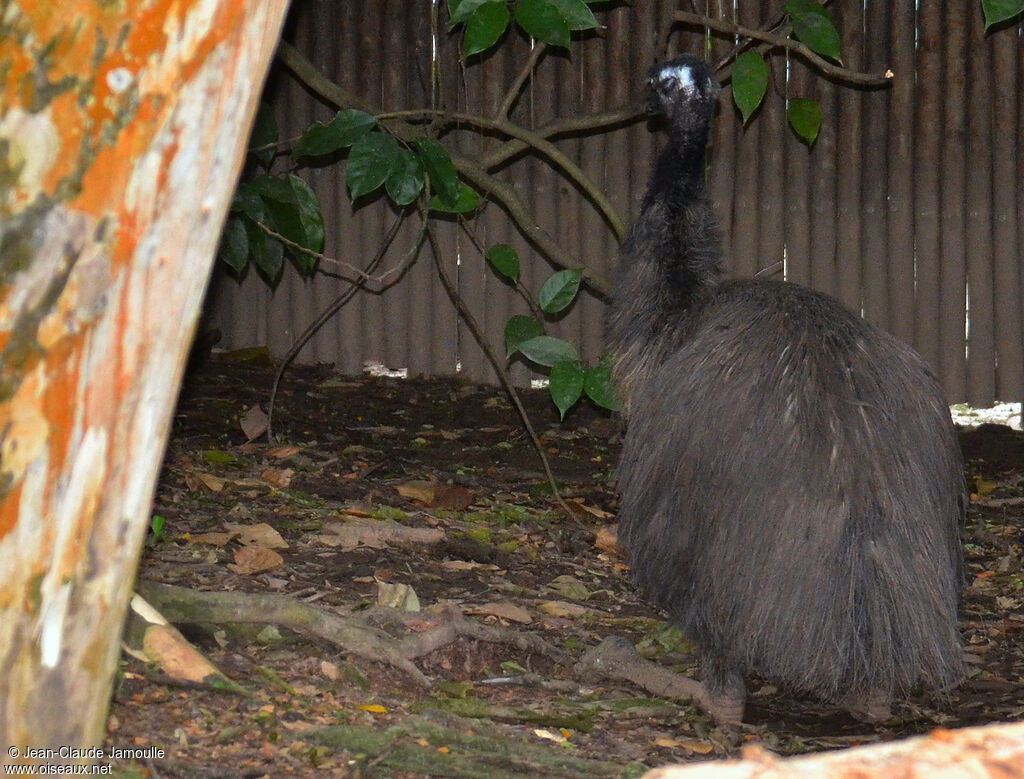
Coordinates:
792 488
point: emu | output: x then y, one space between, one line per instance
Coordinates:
791 484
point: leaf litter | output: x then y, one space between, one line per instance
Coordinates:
426 496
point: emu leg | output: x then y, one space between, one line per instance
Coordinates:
725 692
873 707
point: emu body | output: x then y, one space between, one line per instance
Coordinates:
792 488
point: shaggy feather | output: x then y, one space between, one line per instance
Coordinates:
792 488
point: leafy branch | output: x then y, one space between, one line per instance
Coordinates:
477 171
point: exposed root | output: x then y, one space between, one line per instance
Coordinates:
367 636
616 658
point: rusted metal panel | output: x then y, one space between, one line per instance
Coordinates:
875 159
954 173
1007 238
849 160
797 182
746 227
900 21
928 108
823 180
981 351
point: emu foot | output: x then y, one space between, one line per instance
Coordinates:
872 707
616 658
725 707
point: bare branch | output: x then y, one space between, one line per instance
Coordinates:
564 126
517 85
492 358
781 40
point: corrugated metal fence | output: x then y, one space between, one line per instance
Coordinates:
909 207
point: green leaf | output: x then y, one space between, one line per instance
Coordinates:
518 329
504 260
267 253
546 350
565 383
576 14
805 118
559 291
234 244
272 188
405 182
749 82
346 128
813 25
485 27
461 10
997 11
248 201
437 163
294 210
370 163
264 133
544 21
597 383
467 201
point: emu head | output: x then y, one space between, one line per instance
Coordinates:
684 91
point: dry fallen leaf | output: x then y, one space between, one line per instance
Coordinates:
279 477
255 559
454 498
418 490
397 596
175 656
330 670
376 534
253 423
606 539
561 608
548 735
568 587
503 610
693 745
467 565
214 539
211 482
283 452
373 708
594 511
260 534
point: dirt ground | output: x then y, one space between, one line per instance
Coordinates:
434 485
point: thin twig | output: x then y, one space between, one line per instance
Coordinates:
492 186
362 276
517 85
565 126
336 305
518 285
492 358
775 39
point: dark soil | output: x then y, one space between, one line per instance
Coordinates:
439 454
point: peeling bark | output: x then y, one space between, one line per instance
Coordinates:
121 138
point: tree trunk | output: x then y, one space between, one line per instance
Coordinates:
121 138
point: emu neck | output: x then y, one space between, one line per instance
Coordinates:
677 233
679 172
